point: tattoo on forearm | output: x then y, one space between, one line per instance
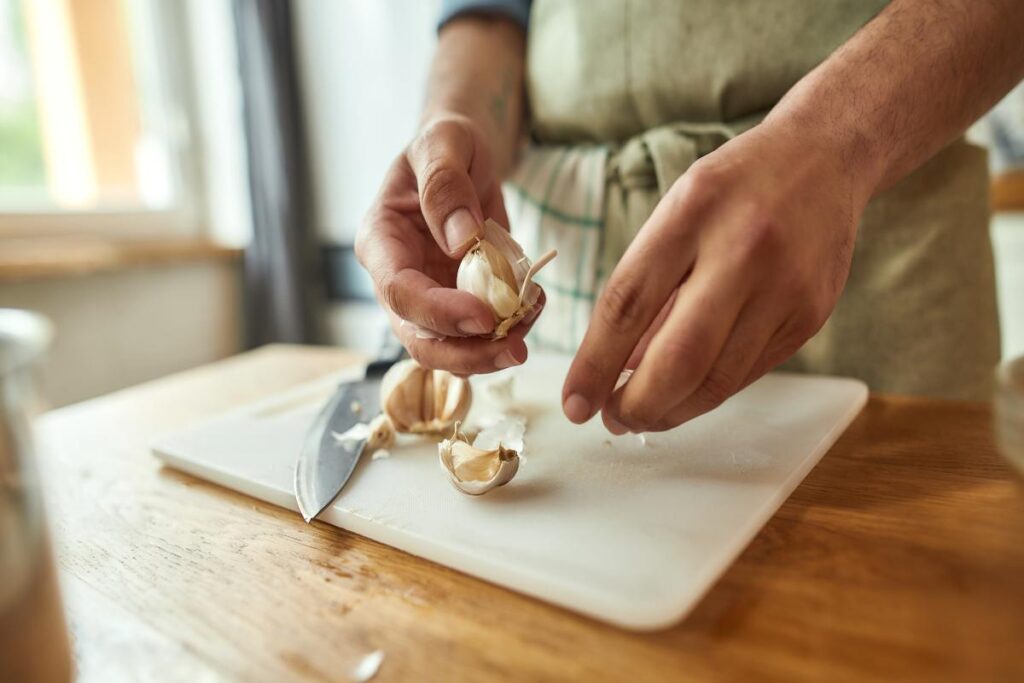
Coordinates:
499 101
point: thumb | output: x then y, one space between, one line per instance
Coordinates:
440 158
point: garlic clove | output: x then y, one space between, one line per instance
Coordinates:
482 274
497 272
422 401
476 470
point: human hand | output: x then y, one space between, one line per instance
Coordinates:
741 262
429 211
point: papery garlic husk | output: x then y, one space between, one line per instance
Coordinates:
475 470
421 401
496 271
378 432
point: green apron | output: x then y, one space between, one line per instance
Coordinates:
659 83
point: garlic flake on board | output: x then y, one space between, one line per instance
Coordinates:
476 470
496 271
378 432
421 401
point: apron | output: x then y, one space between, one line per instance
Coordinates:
625 94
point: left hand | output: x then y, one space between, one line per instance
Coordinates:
741 262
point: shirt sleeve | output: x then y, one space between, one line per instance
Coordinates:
516 10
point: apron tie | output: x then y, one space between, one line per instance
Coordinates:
649 163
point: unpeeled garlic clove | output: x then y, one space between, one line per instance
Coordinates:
496 271
475 470
421 401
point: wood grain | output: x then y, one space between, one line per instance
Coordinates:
900 556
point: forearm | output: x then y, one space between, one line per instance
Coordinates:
478 72
907 84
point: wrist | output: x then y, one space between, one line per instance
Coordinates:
840 146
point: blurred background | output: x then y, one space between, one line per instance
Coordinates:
183 179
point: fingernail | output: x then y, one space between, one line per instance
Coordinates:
615 427
577 409
532 315
459 228
473 326
506 360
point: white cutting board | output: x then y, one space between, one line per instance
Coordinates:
628 533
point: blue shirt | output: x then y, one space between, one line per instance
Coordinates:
516 10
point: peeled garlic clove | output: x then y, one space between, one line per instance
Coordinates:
421 401
475 470
497 272
486 274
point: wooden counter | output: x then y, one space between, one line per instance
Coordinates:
900 556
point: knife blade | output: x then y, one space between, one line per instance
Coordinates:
326 462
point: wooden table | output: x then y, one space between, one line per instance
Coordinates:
902 554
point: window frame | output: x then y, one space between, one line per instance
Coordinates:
166 25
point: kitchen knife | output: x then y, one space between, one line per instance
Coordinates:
326 462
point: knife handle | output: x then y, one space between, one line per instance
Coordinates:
391 351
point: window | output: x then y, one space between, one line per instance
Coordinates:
93 124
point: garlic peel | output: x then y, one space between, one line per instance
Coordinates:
378 433
507 429
476 470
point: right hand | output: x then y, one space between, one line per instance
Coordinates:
429 211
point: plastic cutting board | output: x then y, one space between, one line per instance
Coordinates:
626 532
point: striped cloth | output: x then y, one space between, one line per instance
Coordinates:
555 200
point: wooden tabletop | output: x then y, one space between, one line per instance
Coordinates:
901 555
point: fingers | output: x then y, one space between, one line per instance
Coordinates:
415 297
469 356
683 352
730 372
442 158
652 268
641 348
412 295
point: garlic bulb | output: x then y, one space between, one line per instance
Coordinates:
421 401
496 271
476 470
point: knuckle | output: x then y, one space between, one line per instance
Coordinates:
718 386
622 306
696 189
586 368
799 329
704 178
391 293
633 416
440 130
804 327
416 352
818 311
764 236
689 354
440 185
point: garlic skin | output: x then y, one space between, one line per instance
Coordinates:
420 401
496 271
378 433
475 470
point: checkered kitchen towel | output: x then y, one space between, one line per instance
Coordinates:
555 200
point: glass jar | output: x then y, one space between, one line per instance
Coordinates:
33 638
1009 411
